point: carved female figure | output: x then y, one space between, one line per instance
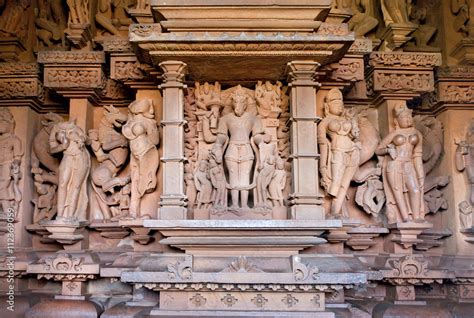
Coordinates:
11 151
277 184
402 169
465 159
339 148
142 132
203 185
74 168
217 175
266 168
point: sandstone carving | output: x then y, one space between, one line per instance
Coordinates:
465 214
363 21
268 98
11 155
465 159
12 19
424 33
402 169
234 129
45 168
51 22
433 145
396 11
78 11
142 133
112 15
67 138
338 139
111 150
460 8
203 183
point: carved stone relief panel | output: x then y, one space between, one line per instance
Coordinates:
237 144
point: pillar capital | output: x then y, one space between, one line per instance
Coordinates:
302 73
173 73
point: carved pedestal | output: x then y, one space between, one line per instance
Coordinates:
65 232
405 235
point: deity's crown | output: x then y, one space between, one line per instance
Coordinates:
333 94
401 109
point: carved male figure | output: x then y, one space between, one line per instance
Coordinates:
465 159
203 184
266 168
236 129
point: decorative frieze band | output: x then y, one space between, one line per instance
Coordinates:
406 59
71 57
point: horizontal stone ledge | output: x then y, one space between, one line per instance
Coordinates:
213 225
332 278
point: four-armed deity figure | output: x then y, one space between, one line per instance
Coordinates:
402 169
68 138
238 130
142 132
339 148
11 152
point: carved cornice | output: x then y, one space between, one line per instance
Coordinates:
74 78
416 82
459 93
405 59
333 29
71 57
126 68
18 69
458 72
116 44
20 81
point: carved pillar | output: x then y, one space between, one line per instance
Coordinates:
305 199
173 200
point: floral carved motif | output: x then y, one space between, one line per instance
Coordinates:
18 68
72 78
21 88
242 265
181 270
405 59
457 93
333 29
403 82
63 263
71 57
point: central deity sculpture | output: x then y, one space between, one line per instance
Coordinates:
237 134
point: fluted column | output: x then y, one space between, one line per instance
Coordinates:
305 199
173 199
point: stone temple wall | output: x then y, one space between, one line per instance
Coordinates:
265 158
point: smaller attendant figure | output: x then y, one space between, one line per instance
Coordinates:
465 159
465 214
277 184
396 11
69 139
218 180
402 169
265 169
142 133
112 15
203 185
339 146
363 21
11 152
269 99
